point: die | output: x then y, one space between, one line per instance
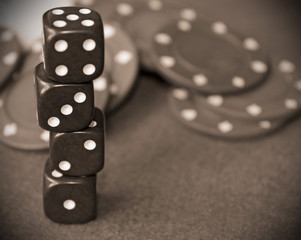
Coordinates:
79 153
68 199
73 44
63 107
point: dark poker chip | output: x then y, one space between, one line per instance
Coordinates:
102 84
102 89
10 55
209 57
18 123
123 64
279 97
146 20
34 57
104 8
203 120
141 19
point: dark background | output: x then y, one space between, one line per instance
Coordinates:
164 181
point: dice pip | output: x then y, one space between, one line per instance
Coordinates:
73 44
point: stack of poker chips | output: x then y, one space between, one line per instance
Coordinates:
73 56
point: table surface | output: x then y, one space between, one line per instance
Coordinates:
164 181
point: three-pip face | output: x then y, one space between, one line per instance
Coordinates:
63 107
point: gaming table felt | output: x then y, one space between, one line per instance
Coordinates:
164 181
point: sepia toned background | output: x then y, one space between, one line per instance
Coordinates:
164 181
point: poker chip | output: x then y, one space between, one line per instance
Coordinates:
279 97
34 57
158 13
102 84
101 90
209 57
135 17
124 64
10 54
18 123
201 119
104 8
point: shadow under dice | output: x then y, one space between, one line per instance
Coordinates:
73 44
69 199
63 107
79 153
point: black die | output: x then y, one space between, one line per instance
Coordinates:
68 199
79 153
73 44
63 107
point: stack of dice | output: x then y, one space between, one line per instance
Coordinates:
73 56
